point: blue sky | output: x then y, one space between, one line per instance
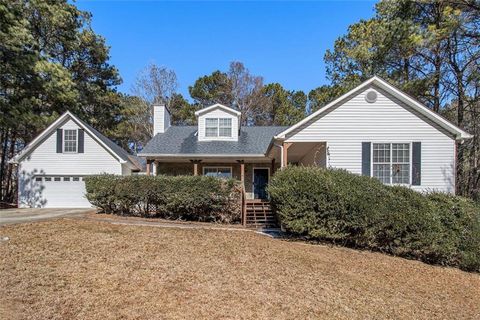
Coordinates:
282 41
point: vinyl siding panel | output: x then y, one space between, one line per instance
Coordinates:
217 113
354 121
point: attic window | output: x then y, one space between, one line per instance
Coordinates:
371 97
69 141
218 127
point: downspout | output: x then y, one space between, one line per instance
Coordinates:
281 153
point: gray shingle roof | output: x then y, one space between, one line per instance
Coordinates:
178 140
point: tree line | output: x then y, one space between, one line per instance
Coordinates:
51 61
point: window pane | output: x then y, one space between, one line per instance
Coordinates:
381 152
400 152
382 172
211 122
401 173
224 173
210 132
217 172
225 132
225 122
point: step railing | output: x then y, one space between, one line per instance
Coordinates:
244 206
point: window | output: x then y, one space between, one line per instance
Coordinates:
391 162
218 127
218 172
56 179
225 127
48 179
38 179
66 179
211 127
76 178
69 141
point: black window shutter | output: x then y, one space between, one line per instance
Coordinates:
81 140
366 152
416 163
59 140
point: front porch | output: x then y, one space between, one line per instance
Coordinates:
254 173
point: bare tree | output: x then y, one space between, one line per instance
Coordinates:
155 84
246 91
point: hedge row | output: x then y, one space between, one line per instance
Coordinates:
344 208
195 198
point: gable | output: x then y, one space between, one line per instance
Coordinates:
44 159
71 122
387 116
413 105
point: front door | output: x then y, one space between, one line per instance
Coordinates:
260 180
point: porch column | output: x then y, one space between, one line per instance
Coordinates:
242 171
244 203
148 167
195 166
155 168
286 145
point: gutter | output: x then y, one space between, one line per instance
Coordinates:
196 155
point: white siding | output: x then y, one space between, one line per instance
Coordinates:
217 113
44 160
387 120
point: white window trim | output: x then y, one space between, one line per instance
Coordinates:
391 163
76 141
218 167
217 127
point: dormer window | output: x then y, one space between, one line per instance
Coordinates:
218 127
69 141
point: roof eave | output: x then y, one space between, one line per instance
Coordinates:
194 155
217 105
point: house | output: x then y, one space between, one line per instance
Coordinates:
52 167
374 130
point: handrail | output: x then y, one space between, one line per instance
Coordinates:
244 206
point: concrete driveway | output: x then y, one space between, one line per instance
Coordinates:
12 216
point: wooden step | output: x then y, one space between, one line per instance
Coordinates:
259 214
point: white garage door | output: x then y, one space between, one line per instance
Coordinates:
62 192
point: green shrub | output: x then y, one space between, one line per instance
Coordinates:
196 198
348 209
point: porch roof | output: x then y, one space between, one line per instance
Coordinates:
183 140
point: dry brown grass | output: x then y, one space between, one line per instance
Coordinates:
69 269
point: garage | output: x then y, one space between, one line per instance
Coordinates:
61 191
52 167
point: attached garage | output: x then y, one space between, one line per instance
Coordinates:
52 167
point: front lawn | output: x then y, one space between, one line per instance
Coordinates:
75 269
